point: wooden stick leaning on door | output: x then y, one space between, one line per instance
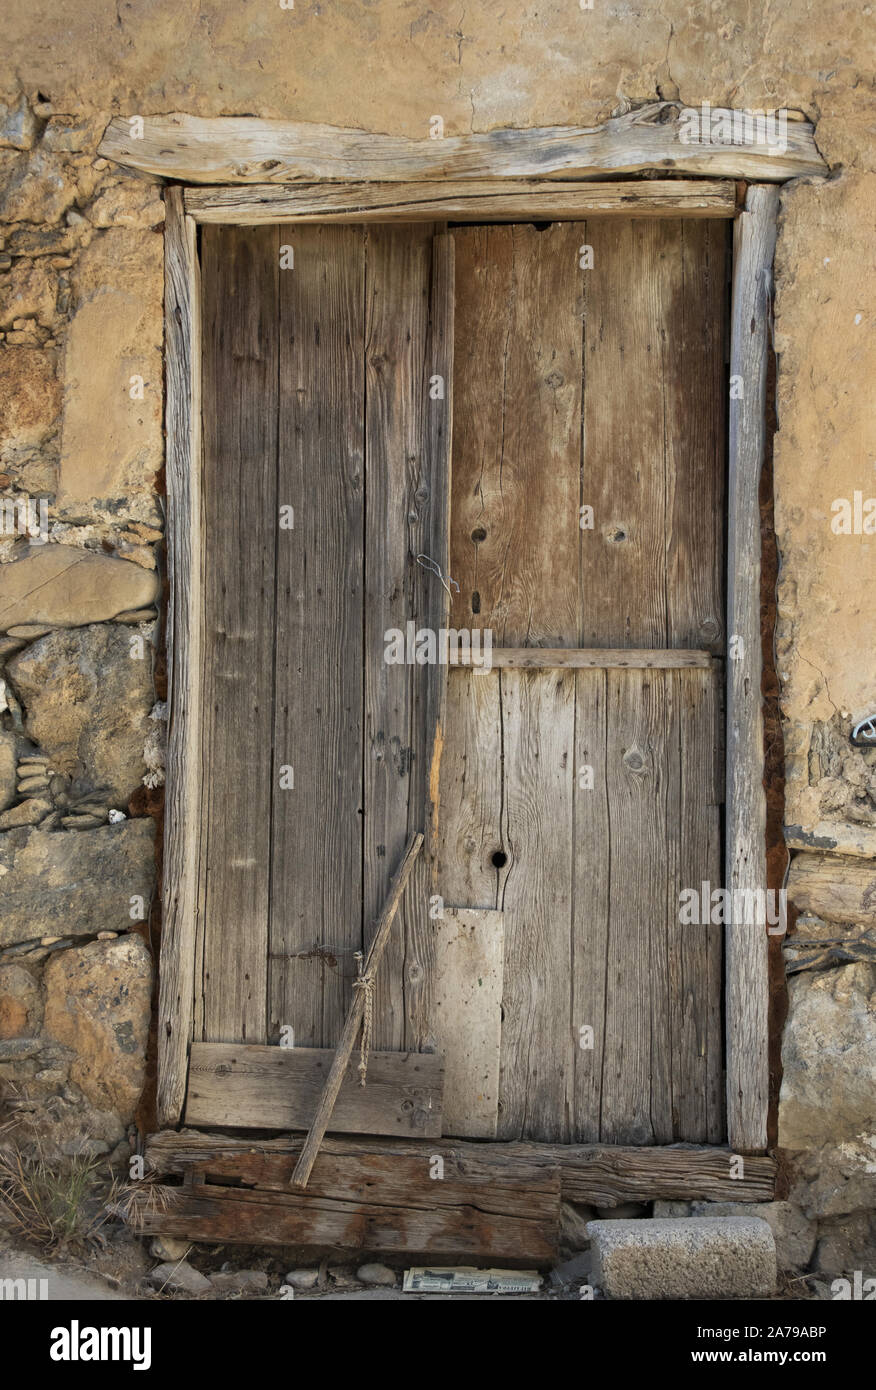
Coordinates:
342 1057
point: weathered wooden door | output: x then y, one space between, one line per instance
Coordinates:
325 477
586 513
588 466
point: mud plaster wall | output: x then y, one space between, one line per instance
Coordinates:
80 316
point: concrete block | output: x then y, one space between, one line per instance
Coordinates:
685 1257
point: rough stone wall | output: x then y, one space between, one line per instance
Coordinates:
80 425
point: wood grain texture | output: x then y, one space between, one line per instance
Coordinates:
483 200
602 1175
538 787
247 149
280 1088
240 407
598 791
746 946
182 330
399 527
651 566
467 1016
356 1014
516 449
836 888
316 841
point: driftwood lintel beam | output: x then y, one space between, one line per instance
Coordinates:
247 149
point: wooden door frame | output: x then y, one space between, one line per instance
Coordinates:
387 189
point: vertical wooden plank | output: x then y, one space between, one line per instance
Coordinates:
653 441
538 713
695 434
471 792
316 842
439 373
636 1095
467 1004
695 950
514 545
592 841
241 271
746 945
398 589
182 332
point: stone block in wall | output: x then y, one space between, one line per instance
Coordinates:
111 444
8 769
21 1004
36 186
98 1005
87 693
17 125
834 887
30 410
794 1233
828 1058
847 1244
29 291
60 586
74 883
835 1180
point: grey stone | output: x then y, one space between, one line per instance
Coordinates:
690 1257
240 1281
828 1058
303 1278
666 1209
8 773
29 812
59 883
168 1248
377 1274
792 1230
837 1179
87 703
17 125
846 1244
180 1276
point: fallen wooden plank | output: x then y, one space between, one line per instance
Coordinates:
487 200
467 1017
455 1223
338 1069
280 1087
580 658
247 149
597 1174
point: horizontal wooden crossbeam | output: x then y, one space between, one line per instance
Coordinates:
578 658
462 200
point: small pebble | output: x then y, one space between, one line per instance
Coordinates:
303 1278
376 1274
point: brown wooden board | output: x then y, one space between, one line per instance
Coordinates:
240 409
599 797
273 1087
398 1170
316 843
